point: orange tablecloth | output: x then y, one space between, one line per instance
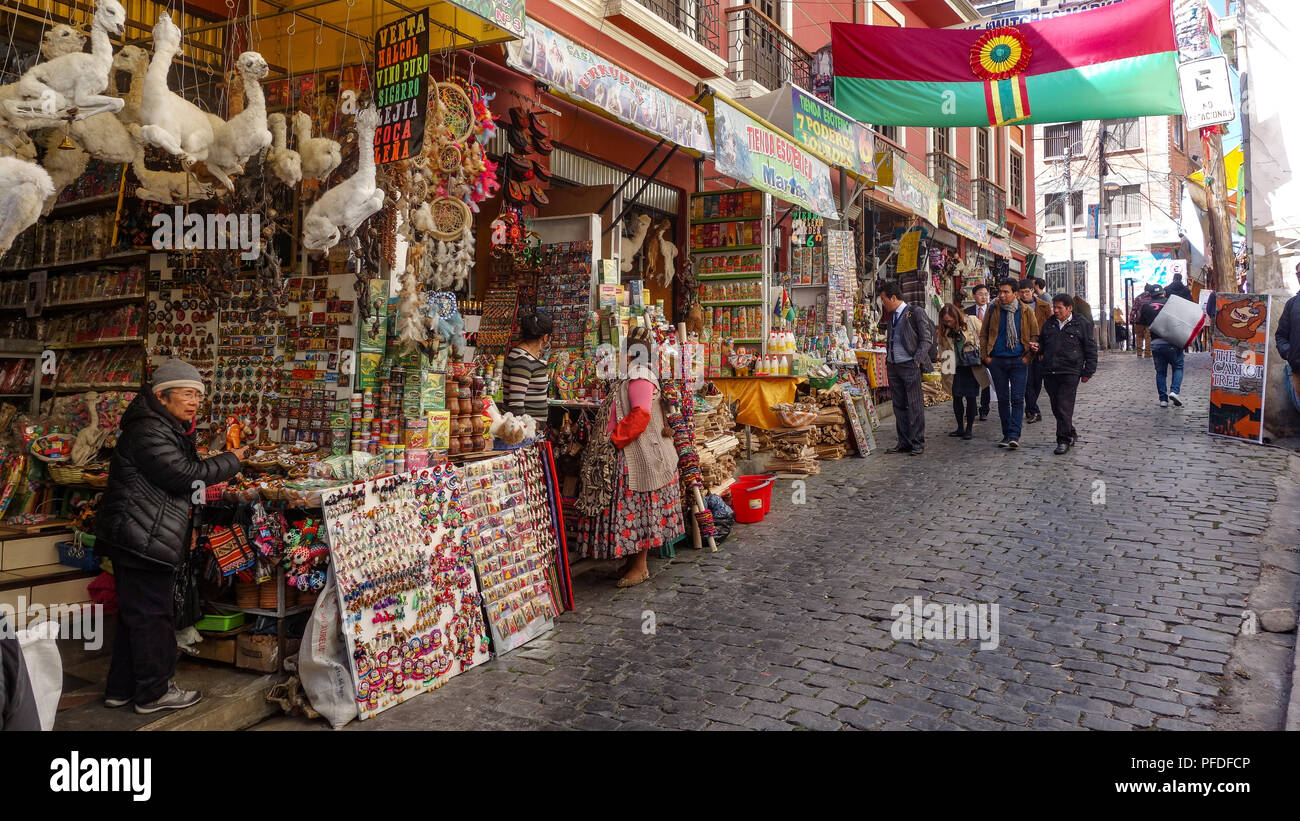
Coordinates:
756 395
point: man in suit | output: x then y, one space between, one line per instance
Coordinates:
978 310
908 342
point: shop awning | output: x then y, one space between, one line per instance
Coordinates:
824 130
592 81
756 152
315 36
965 223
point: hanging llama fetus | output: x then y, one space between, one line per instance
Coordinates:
61 39
320 156
72 86
134 61
246 133
285 163
24 187
634 244
167 120
343 208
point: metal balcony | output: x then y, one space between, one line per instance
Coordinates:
759 50
990 201
697 19
952 177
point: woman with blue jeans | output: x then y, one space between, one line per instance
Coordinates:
1166 356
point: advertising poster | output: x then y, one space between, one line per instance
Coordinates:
840 139
758 156
401 87
917 191
506 14
1239 352
584 75
909 246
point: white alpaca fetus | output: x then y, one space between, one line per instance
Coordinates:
167 120
320 156
285 162
72 86
345 206
23 189
246 133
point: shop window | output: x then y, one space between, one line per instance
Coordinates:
1126 205
1017 180
982 153
943 140
1061 140
889 132
1054 210
1180 130
1056 274
1124 135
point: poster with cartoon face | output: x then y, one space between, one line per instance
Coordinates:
1239 356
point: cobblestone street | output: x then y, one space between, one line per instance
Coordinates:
1121 571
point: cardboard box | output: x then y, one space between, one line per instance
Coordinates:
261 653
218 649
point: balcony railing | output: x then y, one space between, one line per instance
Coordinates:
952 177
759 50
990 201
697 19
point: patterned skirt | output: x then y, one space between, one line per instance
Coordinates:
634 521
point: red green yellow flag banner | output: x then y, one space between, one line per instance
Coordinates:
1115 61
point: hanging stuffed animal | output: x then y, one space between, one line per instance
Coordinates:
134 61
170 187
168 120
286 164
64 165
61 39
660 254
246 133
103 136
23 189
75 81
320 156
343 208
634 245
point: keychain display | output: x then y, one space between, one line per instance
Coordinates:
411 609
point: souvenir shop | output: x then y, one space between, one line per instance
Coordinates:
344 249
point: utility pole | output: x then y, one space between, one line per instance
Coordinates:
1243 196
1103 235
1224 269
1069 220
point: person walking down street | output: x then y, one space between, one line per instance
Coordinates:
959 338
978 310
1167 356
1009 339
1067 356
1042 309
1178 288
1287 337
1040 292
1121 328
908 342
143 524
1141 333
630 500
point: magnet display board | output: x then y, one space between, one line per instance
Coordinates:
411 609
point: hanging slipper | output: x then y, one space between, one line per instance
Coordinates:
514 193
519 117
517 138
538 198
535 124
520 167
543 146
541 172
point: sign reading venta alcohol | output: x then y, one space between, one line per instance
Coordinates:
401 87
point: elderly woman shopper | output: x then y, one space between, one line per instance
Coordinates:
959 344
143 523
630 499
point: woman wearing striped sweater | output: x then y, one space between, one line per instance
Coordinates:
526 377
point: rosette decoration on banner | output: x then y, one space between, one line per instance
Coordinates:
999 58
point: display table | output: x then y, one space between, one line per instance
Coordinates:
755 396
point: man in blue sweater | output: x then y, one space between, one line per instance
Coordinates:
1010 335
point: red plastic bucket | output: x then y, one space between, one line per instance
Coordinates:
751 497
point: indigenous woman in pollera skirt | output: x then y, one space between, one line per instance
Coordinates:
640 507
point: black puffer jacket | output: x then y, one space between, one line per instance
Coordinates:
145 512
1067 351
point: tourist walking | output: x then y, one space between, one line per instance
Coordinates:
1067 356
1167 356
1009 339
978 310
959 337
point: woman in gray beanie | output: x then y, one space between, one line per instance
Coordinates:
143 524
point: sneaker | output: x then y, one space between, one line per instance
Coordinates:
917 451
114 703
1164 404
1173 397
174 699
1031 418
1006 440
1014 444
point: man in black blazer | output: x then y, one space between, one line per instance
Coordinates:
978 310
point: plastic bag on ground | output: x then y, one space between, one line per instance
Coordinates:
40 648
724 518
323 661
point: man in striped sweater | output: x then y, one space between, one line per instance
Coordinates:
526 378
